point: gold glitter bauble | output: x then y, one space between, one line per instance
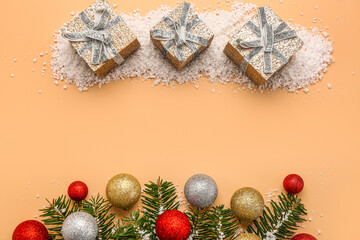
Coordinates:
247 236
247 204
123 191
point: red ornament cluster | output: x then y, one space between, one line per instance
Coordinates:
172 225
303 236
30 230
293 183
78 191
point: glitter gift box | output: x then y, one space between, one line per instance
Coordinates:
101 37
263 46
181 35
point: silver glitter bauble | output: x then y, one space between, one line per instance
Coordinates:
79 226
200 190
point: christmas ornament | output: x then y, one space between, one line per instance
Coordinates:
303 236
123 191
263 46
293 183
172 225
247 204
79 226
181 36
30 230
101 37
200 190
247 236
78 191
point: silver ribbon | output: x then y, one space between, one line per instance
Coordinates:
265 42
180 34
97 37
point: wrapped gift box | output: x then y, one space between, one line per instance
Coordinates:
181 35
101 37
263 46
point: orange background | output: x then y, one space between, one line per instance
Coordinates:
245 139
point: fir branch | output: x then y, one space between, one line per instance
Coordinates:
54 215
99 208
195 217
282 221
217 223
132 228
160 196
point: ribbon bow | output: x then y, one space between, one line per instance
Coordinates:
97 37
265 42
180 34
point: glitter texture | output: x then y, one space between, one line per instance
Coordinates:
79 226
172 225
30 229
307 66
123 191
200 29
247 204
255 69
201 190
247 236
124 41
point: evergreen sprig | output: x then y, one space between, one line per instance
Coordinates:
195 216
132 228
158 198
99 208
217 223
282 221
55 214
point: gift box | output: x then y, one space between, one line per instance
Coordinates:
263 46
181 35
101 37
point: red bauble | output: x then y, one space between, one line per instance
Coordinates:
30 230
303 236
293 183
172 225
78 191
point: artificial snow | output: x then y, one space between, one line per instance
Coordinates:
306 67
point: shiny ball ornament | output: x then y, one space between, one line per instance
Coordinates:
293 183
172 225
123 191
201 190
79 226
78 191
247 236
303 236
247 204
30 230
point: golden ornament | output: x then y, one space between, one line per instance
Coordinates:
247 204
247 236
123 191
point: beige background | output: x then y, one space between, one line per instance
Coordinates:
246 139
